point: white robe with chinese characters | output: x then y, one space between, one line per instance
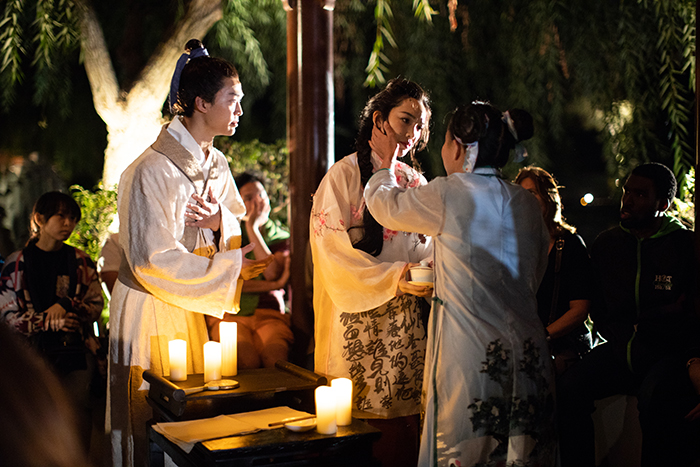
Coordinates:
362 330
174 275
488 382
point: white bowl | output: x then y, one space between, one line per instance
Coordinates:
301 425
422 274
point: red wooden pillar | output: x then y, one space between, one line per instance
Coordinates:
310 130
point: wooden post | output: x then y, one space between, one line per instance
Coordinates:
696 197
310 130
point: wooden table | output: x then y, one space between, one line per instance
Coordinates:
284 385
351 446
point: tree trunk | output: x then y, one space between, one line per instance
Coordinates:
134 117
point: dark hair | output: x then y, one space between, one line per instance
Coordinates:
48 205
546 187
664 181
38 424
480 121
246 178
396 91
201 77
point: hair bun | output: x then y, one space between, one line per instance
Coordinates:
522 121
468 123
193 44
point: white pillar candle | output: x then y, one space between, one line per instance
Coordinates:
229 350
212 361
325 410
343 397
177 350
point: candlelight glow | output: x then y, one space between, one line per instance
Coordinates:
325 410
212 361
228 335
178 360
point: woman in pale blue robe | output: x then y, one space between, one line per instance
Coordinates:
488 378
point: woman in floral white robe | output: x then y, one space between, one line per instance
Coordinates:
367 316
488 384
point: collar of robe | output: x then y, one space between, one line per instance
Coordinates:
488 171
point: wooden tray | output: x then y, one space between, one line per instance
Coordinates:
286 384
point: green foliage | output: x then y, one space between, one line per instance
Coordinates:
560 60
51 37
47 34
683 207
423 10
271 161
236 38
11 32
252 35
56 37
379 62
676 51
98 209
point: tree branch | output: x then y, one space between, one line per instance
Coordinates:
98 64
154 81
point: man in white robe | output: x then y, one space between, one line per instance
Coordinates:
178 211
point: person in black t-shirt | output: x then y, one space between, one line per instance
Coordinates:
50 293
564 296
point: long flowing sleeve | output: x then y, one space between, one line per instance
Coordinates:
419 209
152 218
354 280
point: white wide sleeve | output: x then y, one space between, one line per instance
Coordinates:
354 280
153 198
420 209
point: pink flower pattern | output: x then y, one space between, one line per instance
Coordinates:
406 177
321 223
358 213
389 234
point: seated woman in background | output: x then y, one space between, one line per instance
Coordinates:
264 333
50 293
564 295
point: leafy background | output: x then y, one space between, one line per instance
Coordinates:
609 84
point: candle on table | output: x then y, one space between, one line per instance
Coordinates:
343 395
325 410
177 350
212 361
229 351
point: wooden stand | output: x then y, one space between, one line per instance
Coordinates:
351 446
284 385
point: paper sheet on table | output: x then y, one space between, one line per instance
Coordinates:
186 434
